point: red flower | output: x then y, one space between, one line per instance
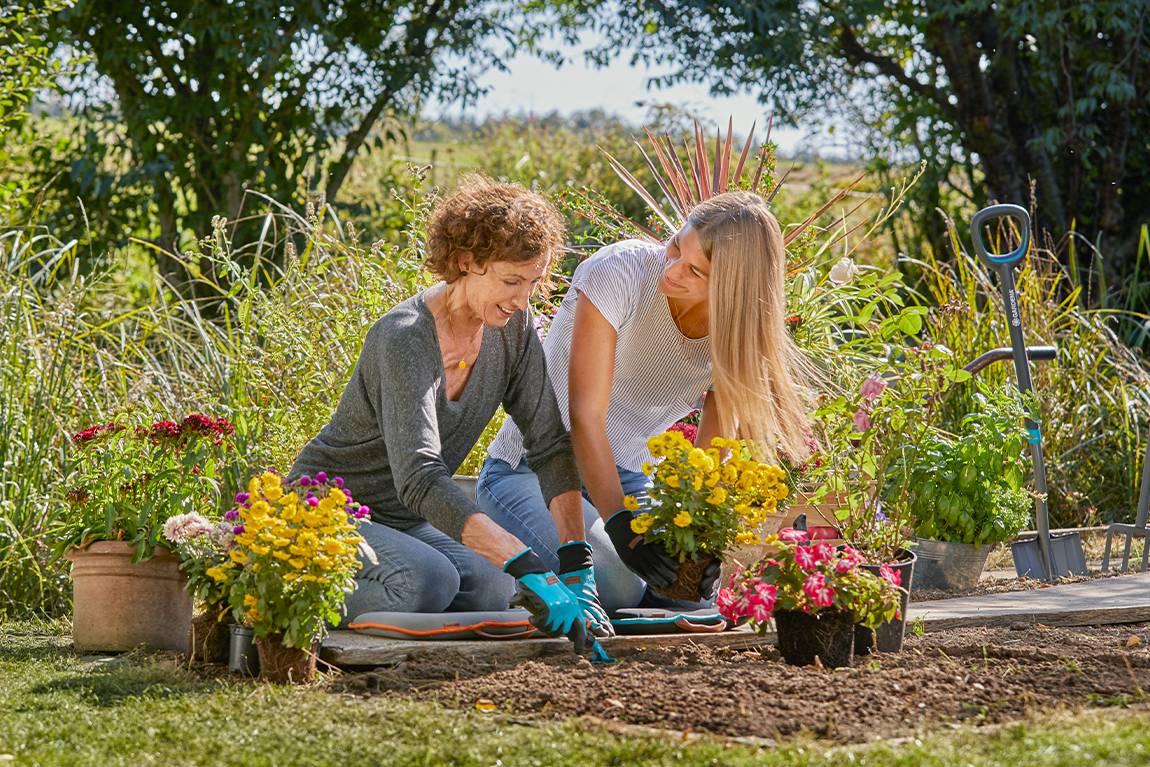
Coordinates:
818 590
689 430
892 576
791 535
806 558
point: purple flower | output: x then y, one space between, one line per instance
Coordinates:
305 481
321 477
872 388
238 530
862 421
364 511
338 482
231 515
241 497
312 500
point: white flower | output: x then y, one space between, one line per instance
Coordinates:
844 270
184 527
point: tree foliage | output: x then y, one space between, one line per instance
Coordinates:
996 96
218 97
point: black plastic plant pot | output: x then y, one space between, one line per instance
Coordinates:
829 636
889 635
242 655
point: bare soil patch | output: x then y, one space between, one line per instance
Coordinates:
972 675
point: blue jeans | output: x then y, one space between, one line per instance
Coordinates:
423 570
511 497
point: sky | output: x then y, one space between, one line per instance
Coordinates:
533 86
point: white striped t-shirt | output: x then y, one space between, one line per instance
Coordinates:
660 375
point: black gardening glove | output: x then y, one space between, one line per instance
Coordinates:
647 560
709 584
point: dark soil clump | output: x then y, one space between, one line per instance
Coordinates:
973 675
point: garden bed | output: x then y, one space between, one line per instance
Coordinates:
971 675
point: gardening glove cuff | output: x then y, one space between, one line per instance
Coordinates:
577 573
524 563
647 560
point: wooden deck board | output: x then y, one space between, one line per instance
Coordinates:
1103 601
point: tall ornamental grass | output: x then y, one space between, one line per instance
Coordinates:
269 344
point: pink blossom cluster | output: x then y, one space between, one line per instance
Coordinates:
184 527
871 389
800 575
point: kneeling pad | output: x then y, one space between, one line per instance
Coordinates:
496 624
651 620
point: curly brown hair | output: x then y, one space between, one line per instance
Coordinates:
493 222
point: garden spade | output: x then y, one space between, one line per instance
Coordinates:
1044 555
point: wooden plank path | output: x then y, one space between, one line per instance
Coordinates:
1102 601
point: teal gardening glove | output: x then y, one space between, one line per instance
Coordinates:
577 574
554 609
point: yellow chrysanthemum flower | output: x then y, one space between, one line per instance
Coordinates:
283 556
238 557
697 482
642 523
216 574
259 549
682 519
273 493
672 480
629 503
298 564
746 538
717 496
647 467
698 459
250 600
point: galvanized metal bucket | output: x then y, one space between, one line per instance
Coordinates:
946 565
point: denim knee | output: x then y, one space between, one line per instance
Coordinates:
513 500
493 591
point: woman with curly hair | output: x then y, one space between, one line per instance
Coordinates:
431 375
645 332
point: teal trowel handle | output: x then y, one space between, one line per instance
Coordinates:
1019 214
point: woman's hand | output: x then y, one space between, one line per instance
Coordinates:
647 560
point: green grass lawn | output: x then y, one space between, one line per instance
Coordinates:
58 708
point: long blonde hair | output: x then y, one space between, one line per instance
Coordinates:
762 381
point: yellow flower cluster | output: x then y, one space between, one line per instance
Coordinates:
310 539
706 498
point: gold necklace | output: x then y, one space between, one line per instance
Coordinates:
450 324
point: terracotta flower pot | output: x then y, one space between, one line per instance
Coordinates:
285 665
120 605
828 636
208 638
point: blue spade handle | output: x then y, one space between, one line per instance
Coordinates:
1019 214
1003 263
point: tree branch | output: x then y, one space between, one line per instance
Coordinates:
857 54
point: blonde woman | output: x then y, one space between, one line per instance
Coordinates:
644 332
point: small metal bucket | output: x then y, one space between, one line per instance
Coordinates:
243 658
946 565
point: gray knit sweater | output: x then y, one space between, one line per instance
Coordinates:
396 439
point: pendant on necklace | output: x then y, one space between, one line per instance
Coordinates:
463 364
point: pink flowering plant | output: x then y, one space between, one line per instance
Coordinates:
872 438
124 480
810 578
202 544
